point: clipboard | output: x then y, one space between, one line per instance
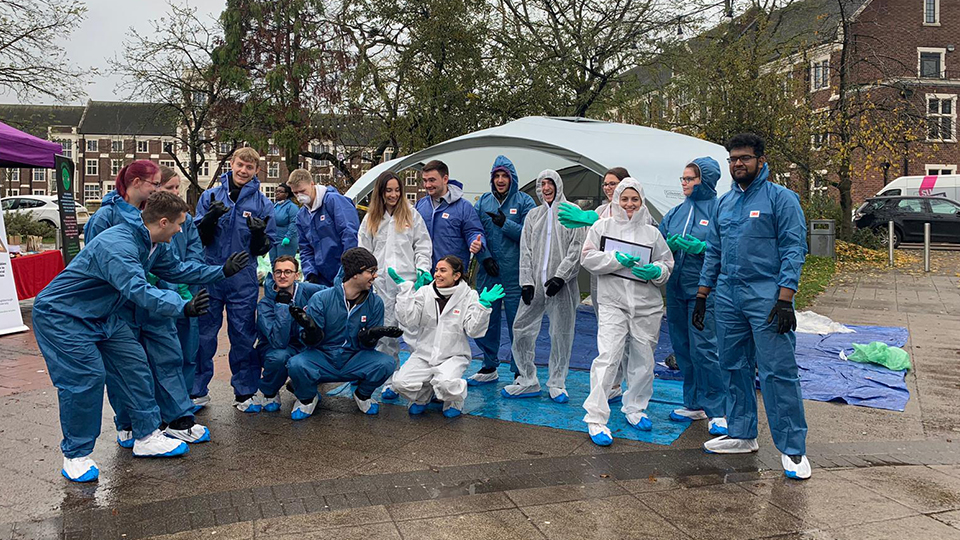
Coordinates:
609 245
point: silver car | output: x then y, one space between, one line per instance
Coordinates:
43 208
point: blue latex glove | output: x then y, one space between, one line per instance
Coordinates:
423 278
184 291
692 245
627 260
572 217
488 297
285 241
394 276
647 271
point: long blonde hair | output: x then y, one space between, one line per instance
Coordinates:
402 214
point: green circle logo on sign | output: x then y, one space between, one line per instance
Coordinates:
65 176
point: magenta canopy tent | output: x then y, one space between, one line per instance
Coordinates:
19 149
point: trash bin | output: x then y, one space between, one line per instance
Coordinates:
823 237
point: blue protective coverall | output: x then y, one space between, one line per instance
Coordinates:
453 224
279 335
239 292
286 215
503 244
186 245
704 383
339 356
84 341
158 335
757 244
326 233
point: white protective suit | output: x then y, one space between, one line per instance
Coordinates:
404 251
442 351
547 250
627 309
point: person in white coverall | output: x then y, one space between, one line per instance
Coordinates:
444 314
397 236
549 264
629 309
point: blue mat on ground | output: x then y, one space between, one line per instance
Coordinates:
823 375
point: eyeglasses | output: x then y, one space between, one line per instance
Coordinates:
688 179
154 184
285 272
610 184
741 159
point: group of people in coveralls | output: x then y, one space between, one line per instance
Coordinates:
139 310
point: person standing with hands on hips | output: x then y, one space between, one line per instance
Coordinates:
755 250
454 226
327 224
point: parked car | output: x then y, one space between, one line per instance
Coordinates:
44 209
944 185
908 215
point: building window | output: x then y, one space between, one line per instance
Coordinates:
931 12
388 154
91 192
411 178
66 148
225 148
39 175
199 99
168 163
91 146
116 146
13 192
412 197
205 168
108 187
931 63
269 191
818 182
39 192
115 166
13 176
937 170
273 150
820 74
142 147
273 170
93 167
941 117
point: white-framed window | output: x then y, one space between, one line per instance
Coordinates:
931 12
116 146
942 117
937 169
92 145
108 187
367 155
930 62
66 148
273 169
168 163
411 178
92 167
115 166
412 197
205 168
39 192
820 73
13 176
269 191
91 192
273 150
142 147
224 147
388 154
818 181
39 175
13 192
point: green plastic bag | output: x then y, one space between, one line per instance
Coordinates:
880 353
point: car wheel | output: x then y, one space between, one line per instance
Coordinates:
897 236
48 222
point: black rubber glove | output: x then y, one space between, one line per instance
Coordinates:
553 286
198 306
498 219
786 318
207 227
259 243
313 278
370 336
491 267
526 294
235 263
311 334
699 312
284 297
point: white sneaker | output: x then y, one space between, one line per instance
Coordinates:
367 406
158 445
726 445
717 426
250 405
559 395
687 415
600 434
483 378
196 433
125 438
81 469
302 410
797 471
512 391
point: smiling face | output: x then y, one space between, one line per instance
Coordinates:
391 193
172 185
284 274
501 182
434 184
745 164
630 201
166 229
243 171
364 280
444 276
610 183
548 190
690 178
140 189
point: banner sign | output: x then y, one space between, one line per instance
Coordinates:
10 319
69 231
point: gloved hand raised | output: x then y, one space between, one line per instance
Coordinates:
553 286
647 271
285 241
491 267
699 312
395 276
259 244
235 263
786 318
312 334
198 306
284 297
526 294
488 297
572 216
498 219
672 242
423 278
217 210
370 336
627 260
184 291
207 226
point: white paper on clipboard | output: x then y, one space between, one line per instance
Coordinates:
609 245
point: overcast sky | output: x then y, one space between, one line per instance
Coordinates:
101 35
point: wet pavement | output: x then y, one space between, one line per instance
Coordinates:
877 474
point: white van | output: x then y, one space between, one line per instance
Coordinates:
947 186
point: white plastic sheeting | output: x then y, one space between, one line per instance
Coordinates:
809 322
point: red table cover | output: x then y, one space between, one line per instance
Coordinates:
31 273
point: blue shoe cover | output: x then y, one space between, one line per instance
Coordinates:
718 430
617 399
271 407
297 414
452 412
508 395
416 409
388 393
123 444
643 425
205 437
92 474
195 409
601 439
680 418
373 410
562 398
178 451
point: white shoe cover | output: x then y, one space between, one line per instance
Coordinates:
484 377
517 391
270 404
125 438
303 410
81 469
201 401
596 429
717 426
251 405
557 392
614 393
196 433
726 445
797 471
367 406
157 444
689 414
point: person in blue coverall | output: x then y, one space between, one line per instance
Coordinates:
685 228
285 212
755 251
341 326
231 217
158 335
279 336
454 226
502 213
327 224
83 339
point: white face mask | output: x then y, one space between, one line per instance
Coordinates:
304 199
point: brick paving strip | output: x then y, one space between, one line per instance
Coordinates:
688 466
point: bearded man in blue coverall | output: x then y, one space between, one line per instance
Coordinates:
454 226
755 251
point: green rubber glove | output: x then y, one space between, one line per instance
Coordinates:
394 276
627 260
488 297
672 242
694 246
647 271
152 279
572 217
285 241
423 278
184 291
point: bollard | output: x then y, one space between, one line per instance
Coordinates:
926 247
890 240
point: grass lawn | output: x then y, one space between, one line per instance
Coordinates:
816 274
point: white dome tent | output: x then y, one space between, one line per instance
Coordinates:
580 149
